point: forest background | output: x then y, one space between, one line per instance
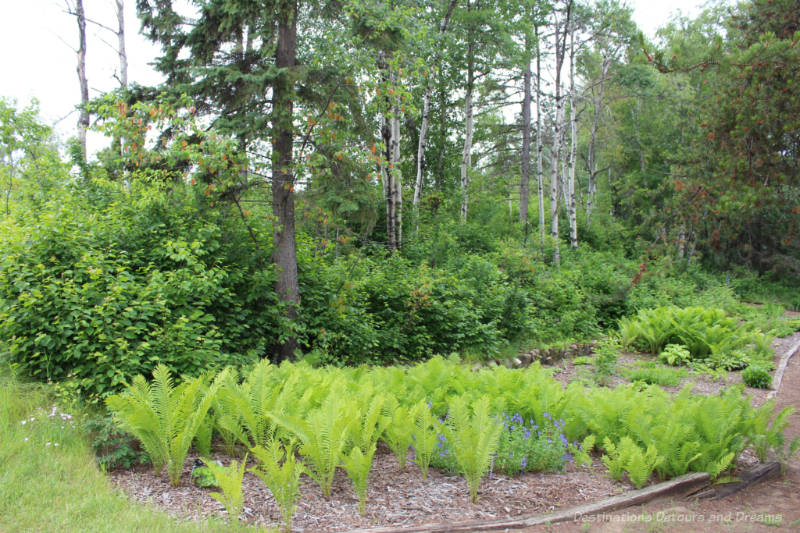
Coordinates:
376 182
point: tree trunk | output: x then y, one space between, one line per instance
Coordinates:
285 254
397 178
466 158
560 48
390 167
426 109
83 118
525 169
572 209
539 144
592 158
123 56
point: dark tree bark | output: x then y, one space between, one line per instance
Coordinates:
285 252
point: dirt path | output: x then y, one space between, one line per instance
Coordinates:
770 506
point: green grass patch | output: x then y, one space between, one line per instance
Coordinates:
49 480
655 374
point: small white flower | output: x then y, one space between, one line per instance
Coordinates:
25 439
23 422
56 444
47 444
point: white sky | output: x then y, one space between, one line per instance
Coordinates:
38 38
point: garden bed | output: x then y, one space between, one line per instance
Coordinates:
402 498
396 498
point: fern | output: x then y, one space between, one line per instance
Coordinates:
229 480
424 436
473 438
323 434
280 471
582 453
627 456
163 417
398 434
242 408
357 465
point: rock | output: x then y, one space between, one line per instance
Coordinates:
516 362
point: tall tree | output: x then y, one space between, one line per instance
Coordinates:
237 60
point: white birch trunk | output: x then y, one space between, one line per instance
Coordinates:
466 158
123 56
426 110
572 210
539 144
83 118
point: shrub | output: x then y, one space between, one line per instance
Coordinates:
757 377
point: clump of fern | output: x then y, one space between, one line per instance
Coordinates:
229 480
280 471
163 417
627 456
323 435
424 436
398 434
473 435
369 423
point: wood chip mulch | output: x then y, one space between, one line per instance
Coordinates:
395 498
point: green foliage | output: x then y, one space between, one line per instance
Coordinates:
113 447
280 471
626 456
357 464
424 436
757 377
710 335
398 435
675 355
229 480
605 361
97 294
654 374
163 417
202 475
473 435
323 433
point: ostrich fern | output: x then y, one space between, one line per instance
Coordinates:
163 417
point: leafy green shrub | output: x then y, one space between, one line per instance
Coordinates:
757 377
97 290
605 361
113 447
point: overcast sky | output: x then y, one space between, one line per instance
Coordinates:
38 38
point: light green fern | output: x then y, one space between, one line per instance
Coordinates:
280 471
357 464
424 435
163 417
323 434
397 435
229 480
473 435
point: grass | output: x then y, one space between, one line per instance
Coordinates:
655 374
48 476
